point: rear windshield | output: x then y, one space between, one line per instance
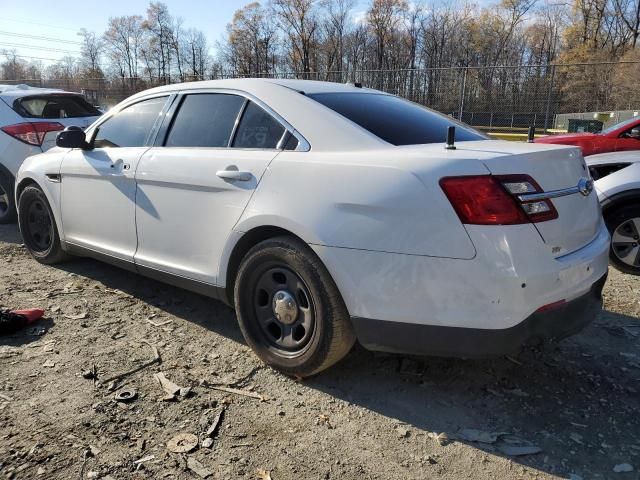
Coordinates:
55 106
395 120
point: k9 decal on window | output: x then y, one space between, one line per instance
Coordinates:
257 129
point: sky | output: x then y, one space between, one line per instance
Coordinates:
58 22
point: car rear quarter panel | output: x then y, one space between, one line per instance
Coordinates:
362 200
12 151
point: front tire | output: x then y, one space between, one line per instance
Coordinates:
38 227
624 227
8 212
289 309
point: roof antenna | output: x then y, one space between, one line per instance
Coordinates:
532 134
451 138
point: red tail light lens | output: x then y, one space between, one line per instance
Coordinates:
32 133
551 306
482 200
491 200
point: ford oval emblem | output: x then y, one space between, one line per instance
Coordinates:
585 186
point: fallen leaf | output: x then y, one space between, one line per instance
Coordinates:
182 443
198 468
263 474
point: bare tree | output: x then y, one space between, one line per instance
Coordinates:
90 53
299 24
123 39
159 39
197 54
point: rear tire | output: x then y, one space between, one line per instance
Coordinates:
8 213
289 309
38 227
624 227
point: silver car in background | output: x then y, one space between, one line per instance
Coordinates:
30 119
617 181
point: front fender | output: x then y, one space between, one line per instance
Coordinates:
35 170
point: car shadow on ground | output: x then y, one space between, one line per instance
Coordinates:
203 311
575 399
28 335
10 234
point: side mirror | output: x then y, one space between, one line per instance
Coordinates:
634 133
71 137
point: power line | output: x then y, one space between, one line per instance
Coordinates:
41 24
39 37
36 47
36 58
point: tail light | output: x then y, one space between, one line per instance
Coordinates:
551 306
32 133
492 200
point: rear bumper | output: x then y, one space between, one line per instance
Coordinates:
421 339
511 277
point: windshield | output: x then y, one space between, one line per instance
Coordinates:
395 120
620 125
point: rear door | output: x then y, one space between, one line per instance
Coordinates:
554 169
193 188
98 185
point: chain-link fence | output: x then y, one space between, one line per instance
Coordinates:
493 98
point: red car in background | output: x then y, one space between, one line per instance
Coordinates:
622 136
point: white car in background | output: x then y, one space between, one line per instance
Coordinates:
617 176
30 119
325 213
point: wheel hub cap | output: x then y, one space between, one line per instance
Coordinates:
285 307
625 244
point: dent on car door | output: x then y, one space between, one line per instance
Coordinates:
194 188
98 184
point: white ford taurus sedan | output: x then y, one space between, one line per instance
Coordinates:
327 213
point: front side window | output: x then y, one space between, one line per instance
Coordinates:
205 120
395 120
257 129
130 127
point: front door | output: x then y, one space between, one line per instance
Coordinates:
629 140
98 184
194 188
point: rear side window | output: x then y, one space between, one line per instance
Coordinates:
55 106
257 129
395 120
205 120
130 127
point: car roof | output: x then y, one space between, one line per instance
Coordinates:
630 156
322 127
11 92
256 85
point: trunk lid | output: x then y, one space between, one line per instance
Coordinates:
553 168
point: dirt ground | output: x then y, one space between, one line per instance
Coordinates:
373 416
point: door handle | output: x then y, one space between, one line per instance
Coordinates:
234 175
119 166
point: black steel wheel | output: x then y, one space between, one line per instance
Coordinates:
38 226
290 310
8 212
624 226
284 309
